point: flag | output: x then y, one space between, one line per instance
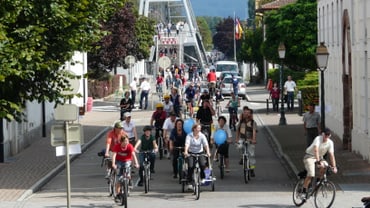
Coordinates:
238 30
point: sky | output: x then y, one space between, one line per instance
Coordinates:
223 8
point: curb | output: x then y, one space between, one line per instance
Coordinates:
40 183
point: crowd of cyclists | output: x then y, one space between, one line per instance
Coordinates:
167 121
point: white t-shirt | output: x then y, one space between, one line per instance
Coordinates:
129 128
328 146
196 145
145 86
168 107
168 125
133 85
290 86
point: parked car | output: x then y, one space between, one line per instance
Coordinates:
227 86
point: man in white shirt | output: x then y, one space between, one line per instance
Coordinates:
290 88
168 125
145 88
133 89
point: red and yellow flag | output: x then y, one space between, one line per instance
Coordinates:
238 30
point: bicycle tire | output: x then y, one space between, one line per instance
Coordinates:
246 169
325 195
297 193
160 147
197 184
124 191
111 183
222 167
179 168
146 180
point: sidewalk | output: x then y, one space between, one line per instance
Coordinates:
290 142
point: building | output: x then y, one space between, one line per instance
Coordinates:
342 25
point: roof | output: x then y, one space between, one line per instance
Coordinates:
275 5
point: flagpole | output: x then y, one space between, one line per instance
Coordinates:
234 37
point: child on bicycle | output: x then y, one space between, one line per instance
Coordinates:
247 131
321 145
146 143
222 149
232 106
123 154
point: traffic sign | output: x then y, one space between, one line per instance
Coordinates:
164 62
58 135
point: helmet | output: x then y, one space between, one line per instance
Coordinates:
159 105
166 96
147 128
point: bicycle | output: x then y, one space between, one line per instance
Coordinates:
160 142
245 161
221 165
124 181
180 166
218 108
146 169
322 190
111 174
196 175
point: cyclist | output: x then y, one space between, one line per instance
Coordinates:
167 105
235 85
123 154
247 131
189 95
146 143
232 106
321 145
212 79
168 125
113 137
196 143
130 128
177 139
158 117
205 96
176 100
204 117
223 149
125 104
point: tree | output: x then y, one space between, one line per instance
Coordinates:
223 40
251 51
36 38
296 26
127 34
205 33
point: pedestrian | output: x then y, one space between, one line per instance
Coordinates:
145 88
133 88
274 96
125 105
290 87
311 124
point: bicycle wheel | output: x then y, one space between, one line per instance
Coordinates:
196 184
179 168
297 193
246 169
222 167
111 183
124 190
160 147
325 195
146 179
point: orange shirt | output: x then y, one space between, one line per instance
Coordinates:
113 138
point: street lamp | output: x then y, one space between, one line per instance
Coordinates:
281 51
322 56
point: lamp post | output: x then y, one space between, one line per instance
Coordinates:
281 50
322 56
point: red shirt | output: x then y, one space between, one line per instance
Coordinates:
274 93
211 77
124 154
159 80
114 139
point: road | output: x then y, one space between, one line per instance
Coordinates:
271 187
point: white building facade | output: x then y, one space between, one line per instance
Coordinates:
343 26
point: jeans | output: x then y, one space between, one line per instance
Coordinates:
133 96
144 95
290 101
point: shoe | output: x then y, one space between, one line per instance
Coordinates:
227 170
117 198
304 196
175 176
130 184
152 171
241 162
203 181
215 160
168 156
252 173
140 183
107 176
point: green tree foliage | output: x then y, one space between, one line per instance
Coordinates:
250 51
296 26
205 33
127 34
223 40
212 23
36 38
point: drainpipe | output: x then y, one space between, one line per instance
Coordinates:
2 140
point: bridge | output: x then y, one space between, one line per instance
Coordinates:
178 35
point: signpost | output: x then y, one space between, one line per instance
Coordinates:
130 61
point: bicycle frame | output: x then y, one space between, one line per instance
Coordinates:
124 181
246 162
146 171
